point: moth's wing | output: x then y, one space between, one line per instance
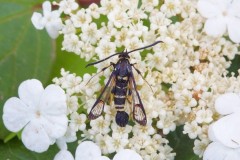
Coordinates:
139 114
98 106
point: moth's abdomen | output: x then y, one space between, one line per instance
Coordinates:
122 118
120 93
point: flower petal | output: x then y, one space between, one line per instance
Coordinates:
15 114
225 130
234 9
53 101
208 8
127 154
47 7
217 151
30 92
52 31
215 27
103 158
55 126
35 138
87 150
37 20
211 133
63 155
233 29
61 143
227 103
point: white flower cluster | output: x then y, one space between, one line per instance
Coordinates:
187 72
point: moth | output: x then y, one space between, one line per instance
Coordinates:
121 84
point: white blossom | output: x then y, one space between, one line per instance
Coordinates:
87 150
221 16
50 20
186 72
167 123
67 6
229 105
217 151
192 129
100 125
127 154
77 121
63 155
81 18
200 146
171 7
204 116
41 113
90 33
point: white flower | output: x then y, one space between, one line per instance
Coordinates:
167 123
71 43
123 131
67 6
103 141
192 129
221 16
200 146
40 113
50 20
141 141
68 28
93 10
185 100
118 17
117 142
226 130
78 121
171 7
217 151
90 33
88 150
63 155
158 19
100 125
105 48
204 116
127 154
93 85
81 18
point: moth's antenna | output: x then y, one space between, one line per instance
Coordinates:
146 46
90 64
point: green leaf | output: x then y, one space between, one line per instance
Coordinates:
25 52
15 150
235 66
182 145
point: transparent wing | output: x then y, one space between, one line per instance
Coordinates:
139 114
98 106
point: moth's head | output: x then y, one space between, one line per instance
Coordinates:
124 54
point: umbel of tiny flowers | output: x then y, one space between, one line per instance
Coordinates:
221 15
225 133
50 20
41 113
